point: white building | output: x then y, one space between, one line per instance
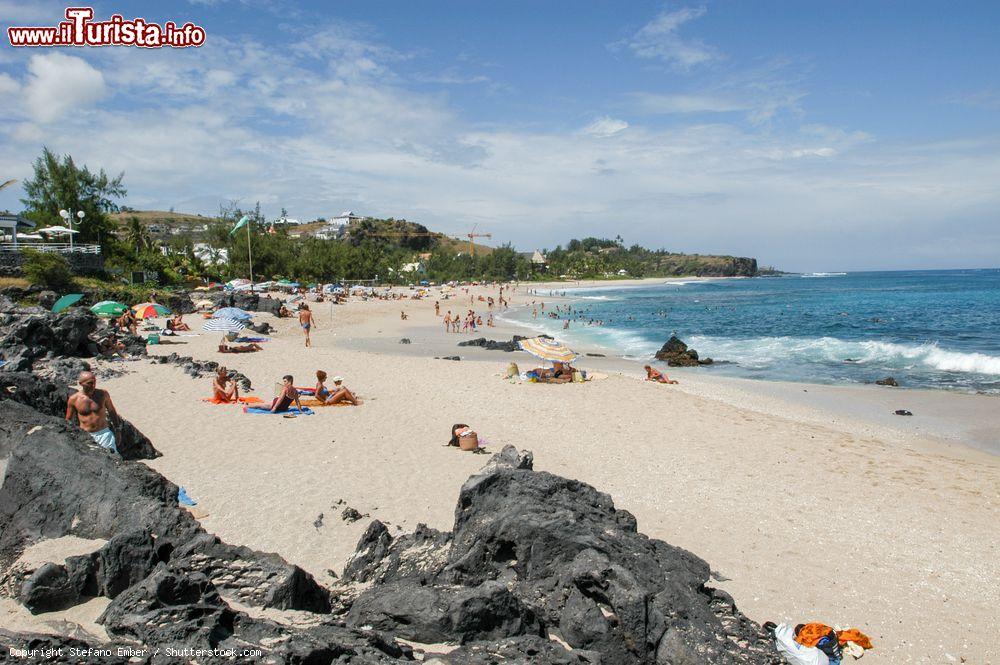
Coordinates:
210 255
416 266
346 217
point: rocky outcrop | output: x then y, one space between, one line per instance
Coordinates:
493 345
535 555
887 381
58 482
247 301
677 354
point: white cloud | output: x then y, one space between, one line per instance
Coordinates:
660 39
57 83
8 86
246 120
605 126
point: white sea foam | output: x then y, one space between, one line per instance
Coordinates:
823 274
762 352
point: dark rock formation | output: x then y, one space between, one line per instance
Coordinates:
199 368
677 354
548 555
247 301
887 381
58 483
493 345
48 397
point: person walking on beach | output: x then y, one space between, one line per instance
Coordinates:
447 322
437 308
93 408
306 321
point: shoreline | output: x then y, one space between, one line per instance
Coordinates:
717 476
948 417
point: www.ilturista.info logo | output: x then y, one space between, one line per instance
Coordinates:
80 30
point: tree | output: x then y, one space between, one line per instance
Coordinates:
58 184
47 269
136 235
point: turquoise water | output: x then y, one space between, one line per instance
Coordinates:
932 329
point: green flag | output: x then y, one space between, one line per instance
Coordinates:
240 224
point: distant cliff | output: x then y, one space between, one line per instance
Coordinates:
703 265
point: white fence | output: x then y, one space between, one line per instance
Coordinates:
61 247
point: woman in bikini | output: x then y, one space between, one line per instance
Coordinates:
220 389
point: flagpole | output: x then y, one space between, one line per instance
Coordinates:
250 257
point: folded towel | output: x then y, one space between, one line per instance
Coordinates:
243 400
306 411
253 339
305 391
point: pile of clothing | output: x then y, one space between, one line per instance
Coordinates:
817 643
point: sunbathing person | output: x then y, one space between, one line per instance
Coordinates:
561 373
220 389
289 394
656 375
339 393
177 324
110 346
243 348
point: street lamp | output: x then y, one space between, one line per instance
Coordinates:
68 216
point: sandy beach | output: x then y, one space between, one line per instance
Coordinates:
806 508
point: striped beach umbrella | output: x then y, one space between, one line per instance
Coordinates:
548 349
150 310
108 308
232 313
223 325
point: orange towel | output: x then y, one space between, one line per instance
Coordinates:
856 636
812 633
312 401
243 400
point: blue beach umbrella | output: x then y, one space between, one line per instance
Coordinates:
223 325
232 313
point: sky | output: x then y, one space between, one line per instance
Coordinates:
855 135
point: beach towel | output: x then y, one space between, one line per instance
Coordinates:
306 411
243 400
312 401
305 391
793 652
183 498
255 340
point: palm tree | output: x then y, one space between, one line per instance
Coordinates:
136 235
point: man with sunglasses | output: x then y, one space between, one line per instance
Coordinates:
92 408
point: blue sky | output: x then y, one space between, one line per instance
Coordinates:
813 136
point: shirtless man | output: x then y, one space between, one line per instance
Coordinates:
306 321
93 408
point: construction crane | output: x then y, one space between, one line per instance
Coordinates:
9 182
472 235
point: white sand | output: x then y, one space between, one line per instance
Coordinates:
835 521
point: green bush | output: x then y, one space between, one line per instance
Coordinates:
47 269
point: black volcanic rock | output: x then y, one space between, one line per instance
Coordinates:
677 354
572 561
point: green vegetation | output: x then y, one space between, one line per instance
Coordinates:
59 184
47 269
370 249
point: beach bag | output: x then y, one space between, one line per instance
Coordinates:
578 377
468 441
153 339
513 371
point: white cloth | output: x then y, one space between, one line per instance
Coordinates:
105 439
795 653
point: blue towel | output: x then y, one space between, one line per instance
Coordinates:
253 339
183 498
306 411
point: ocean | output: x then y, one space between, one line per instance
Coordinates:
928 329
